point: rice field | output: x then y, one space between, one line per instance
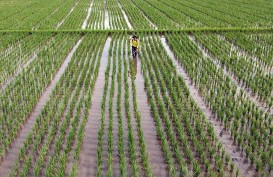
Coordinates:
198 101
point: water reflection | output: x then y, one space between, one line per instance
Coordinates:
133 68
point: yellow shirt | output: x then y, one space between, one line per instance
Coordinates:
135 43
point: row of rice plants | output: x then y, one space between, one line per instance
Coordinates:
230 9
8 40
97 16
52 20
64 116
157 17
19 53
185 126
259 45
30 18
251 73
76 18
199 17
179 19
142 146
20 96
103 112
250 128
135 16
21 18
116 18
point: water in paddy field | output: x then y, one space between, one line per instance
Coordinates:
13 153
125 17
106 21
88 155
87 16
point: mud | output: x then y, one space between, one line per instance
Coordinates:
124 119
134 122
70 159
222 135
12 154
88 155
155 153
125 17
107 122
248 92
87 16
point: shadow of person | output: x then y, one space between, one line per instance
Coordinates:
135 65
133 68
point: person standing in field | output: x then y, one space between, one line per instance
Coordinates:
135 45
133 64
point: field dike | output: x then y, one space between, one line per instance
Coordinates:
222 135
12 154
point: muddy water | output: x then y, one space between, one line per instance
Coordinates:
133 120
221 134
125 17
156 157
88 155
87 16
12 154
250 95
61 22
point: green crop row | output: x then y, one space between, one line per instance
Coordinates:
57 136
249 127
20 96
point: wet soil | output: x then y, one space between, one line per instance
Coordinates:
12 154
222 135
88 155
87 16
155 153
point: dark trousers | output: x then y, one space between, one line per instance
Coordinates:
134 51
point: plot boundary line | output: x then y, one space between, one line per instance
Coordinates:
212 30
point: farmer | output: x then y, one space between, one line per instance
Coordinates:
135 45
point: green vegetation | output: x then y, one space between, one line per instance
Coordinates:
224 50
